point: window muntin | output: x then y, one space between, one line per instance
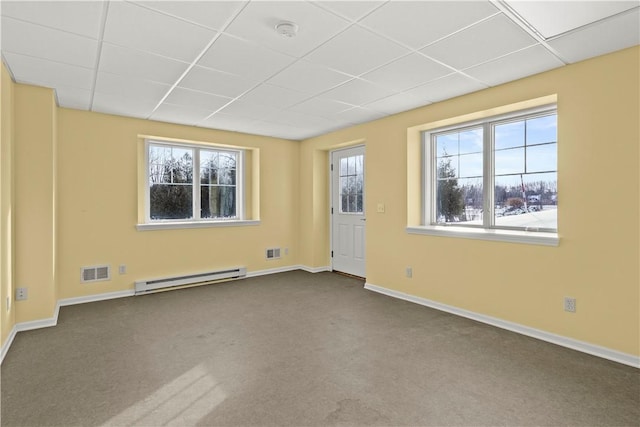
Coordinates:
519 155
178 191
351 184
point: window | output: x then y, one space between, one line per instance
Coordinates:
498 173
351 184
192 183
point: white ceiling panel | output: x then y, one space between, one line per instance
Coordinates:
248 110
551 18
357 92
288 117
41 72
273 95
244 58
73 97
407 72
136 27
41 42
78 17
482 42
279 130
446 87
227 122
124 87
141 65
352 10
310 78
621 31
258 21
203 100
179 114
131 106
321 107
216 82
359 115
396 103
211 14
526 62
356 51
418 23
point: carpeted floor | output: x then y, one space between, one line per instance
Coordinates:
299 349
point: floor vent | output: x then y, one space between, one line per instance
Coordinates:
273 253
96 273
147 286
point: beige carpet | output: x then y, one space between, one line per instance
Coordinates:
299 349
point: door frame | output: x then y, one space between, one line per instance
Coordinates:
360 144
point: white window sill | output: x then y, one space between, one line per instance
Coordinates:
195 224
512 236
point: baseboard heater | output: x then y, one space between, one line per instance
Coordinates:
147 286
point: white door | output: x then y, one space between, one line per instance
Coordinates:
347 211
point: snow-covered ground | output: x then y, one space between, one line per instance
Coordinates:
546 218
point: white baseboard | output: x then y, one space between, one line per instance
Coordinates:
314 269
95 298
272 271
594 350
7 343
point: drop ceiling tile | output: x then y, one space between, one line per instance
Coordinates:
419 23
273 95
407 72
248 110
244 58
73 97
129 88
445 88
136 27
78 17
40 72
526 62
359 115
46 43
613 34
356 51
277 130
211 14
352 10
321 107
192 98
482 42
258 20
289 117
226 122
179 114
310 78
129 106
567 15
138 64
216 82
396 103
357 92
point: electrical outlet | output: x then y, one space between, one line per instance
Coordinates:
408 272
570 304
380 208
286 251
122 269
21 294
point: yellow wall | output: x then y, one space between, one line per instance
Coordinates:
7 312
597 260
98 205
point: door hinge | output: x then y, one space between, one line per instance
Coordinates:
331 167
331 211
331 254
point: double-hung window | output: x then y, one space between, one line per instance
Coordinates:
192 183
498 173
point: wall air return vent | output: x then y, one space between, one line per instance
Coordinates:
96 273
273 253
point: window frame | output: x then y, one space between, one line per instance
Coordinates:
195 221
488 230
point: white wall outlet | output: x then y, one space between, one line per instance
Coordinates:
21 294
408 272
380 208
286 251
122 269
570 304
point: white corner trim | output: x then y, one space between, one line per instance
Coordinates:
496 235
594 350
7 343
195 224
315 269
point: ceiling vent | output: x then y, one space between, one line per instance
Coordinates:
287 29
